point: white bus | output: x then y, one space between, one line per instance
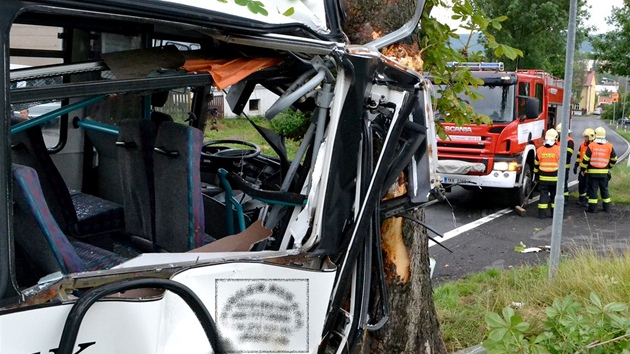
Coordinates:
127 231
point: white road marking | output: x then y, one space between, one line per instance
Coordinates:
464 228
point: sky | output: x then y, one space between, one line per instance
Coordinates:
600 9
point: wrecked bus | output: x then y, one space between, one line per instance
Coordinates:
125 230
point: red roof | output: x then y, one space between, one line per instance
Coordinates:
590 78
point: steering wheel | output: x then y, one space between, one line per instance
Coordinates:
219 149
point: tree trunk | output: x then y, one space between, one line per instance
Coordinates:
413 325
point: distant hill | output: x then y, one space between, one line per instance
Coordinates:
474 43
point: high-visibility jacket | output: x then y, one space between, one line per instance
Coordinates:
598 158
582 150
547 162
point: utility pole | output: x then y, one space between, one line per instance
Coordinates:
558 210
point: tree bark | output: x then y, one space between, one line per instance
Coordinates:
413 326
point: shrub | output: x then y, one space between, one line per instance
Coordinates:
291 124
570 328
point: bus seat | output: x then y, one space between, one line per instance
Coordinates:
106 177
39 236
135 154
159 99
78 214
179 211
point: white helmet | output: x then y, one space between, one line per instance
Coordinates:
551 135
559 128
600 133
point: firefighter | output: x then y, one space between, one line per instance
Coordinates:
589 135
597 161
546 164
570 150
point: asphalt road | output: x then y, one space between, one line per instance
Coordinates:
484 231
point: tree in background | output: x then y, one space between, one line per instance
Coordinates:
580 74
538 28
413 325
611 49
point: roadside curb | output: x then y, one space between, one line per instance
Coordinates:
477 349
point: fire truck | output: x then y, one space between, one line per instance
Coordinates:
522 105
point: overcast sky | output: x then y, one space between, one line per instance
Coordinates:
600 9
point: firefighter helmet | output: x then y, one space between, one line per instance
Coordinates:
551 135
559 128
590 133
600 133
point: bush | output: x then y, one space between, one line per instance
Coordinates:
570 328
291 124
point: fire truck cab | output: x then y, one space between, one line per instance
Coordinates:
522 105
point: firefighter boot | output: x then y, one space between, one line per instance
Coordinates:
583 201
542 213
592 208
606 207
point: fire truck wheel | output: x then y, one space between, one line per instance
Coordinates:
520 193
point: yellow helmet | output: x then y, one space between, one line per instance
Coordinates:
590 133
600 133
551 134
559 128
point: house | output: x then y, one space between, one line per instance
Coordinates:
587 102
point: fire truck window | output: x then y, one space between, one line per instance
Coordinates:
523 89
539 96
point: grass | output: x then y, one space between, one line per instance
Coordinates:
241 129
462 305
618 185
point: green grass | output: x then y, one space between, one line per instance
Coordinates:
241 129
618 185
461 305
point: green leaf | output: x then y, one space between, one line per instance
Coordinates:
521 326
495 321
615 307
498 334
241 2
290 11
508 313
595 300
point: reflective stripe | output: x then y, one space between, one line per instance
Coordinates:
607 200
592 201
597 171
548 178
543 206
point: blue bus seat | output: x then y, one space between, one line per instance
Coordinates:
39 236
136 140
78 214
179 210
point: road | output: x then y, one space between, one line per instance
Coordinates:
482 231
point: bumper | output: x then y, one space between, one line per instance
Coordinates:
495 179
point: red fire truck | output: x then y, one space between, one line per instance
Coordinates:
522 105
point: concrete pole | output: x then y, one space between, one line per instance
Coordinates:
558 211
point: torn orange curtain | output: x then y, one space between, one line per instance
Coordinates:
227 72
